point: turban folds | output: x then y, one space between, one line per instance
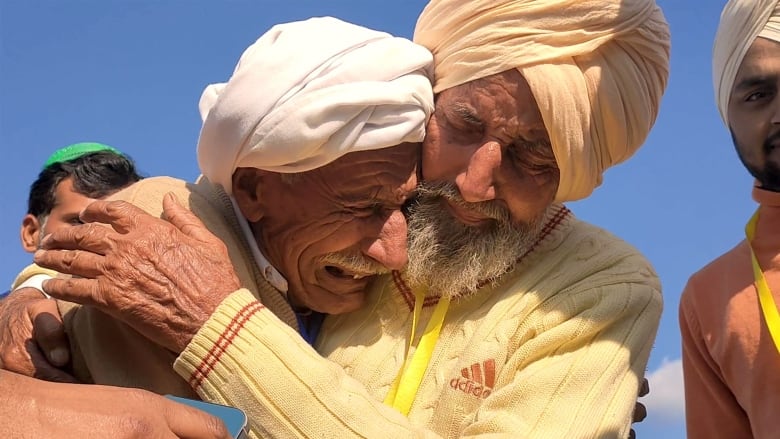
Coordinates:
306 93
597 69
741 22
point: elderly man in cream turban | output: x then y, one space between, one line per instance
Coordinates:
728 311
526 321
543 324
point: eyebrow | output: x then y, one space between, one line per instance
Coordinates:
468 115
752 81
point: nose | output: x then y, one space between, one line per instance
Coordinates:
389 247
477 182
776 113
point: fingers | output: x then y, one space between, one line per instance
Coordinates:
28 360
45 371
640 412
49 332
76 262
185 220
644 388
83 291
121 215
189 422
90 237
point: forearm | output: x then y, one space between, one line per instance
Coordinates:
244 356
17 406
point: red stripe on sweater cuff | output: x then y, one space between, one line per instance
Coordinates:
223 342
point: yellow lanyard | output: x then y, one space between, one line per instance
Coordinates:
765 299
407 383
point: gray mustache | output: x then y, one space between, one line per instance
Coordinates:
449 192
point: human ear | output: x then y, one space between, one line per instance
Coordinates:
30 233
247 190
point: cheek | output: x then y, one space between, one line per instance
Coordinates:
336 237
748 140
527 196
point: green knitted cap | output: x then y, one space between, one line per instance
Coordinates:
72 152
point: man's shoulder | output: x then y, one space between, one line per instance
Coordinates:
591 267
149 192
724 275
593 249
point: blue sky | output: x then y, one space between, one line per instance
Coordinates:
129 73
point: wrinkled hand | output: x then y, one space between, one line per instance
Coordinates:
640 411
162 278
30 408
32 337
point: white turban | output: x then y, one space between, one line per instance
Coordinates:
741 22
597 69
308 92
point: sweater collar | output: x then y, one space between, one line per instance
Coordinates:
766 198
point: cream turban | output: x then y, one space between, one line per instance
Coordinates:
597 69
308 92
740 23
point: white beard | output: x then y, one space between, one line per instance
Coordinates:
453 259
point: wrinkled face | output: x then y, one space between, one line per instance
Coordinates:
331 230
488 138
489 177
754 112
68 204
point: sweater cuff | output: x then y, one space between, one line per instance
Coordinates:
30 271
202 355
35 281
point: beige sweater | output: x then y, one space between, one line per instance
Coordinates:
556 351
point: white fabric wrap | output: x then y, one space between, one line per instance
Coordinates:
306 93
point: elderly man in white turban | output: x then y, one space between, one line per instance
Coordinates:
728 311
543 324
308 154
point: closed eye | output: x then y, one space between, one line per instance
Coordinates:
533 156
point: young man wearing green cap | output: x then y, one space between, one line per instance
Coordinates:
71 178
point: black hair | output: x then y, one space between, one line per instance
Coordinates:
95 175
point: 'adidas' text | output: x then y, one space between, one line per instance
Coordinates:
470 387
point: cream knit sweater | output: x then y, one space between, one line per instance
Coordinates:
556 350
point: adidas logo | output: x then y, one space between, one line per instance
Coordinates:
477 380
